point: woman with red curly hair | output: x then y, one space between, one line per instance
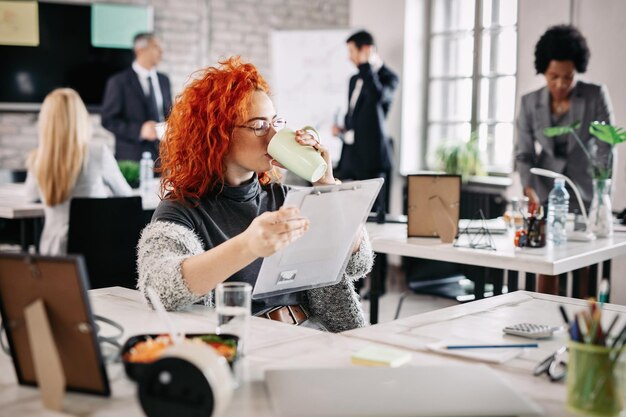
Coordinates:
221 212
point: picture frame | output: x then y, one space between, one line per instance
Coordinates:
59 284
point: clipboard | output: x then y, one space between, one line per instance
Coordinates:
49 325
433 206
319 258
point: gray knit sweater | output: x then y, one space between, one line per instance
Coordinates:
164 245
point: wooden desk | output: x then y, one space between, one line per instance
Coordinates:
392 239
275 345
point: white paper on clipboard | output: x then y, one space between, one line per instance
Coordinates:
319 258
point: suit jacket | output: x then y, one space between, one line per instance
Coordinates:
370 154
125 108
589 102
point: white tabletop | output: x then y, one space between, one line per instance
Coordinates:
14 205
270 343
482 322
550 260
275 345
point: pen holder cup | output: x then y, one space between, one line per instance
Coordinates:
536 232
594 381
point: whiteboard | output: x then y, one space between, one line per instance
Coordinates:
310 75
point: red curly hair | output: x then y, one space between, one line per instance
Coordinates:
200 125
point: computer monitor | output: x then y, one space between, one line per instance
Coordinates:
61 284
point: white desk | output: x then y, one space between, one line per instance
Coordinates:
14 205
549 260
276 345
483 320
392 238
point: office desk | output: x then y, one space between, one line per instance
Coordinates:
269 342
276 345
549 260
483 321
14 205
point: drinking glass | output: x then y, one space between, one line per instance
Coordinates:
232 304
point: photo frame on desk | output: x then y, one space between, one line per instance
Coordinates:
318 259
49 325
433 206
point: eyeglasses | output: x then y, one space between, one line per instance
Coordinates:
262 127
554 365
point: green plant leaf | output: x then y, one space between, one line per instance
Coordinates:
461 157
610 134
561 130
130 170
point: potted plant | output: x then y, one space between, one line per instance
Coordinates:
600 215
130 171
461 158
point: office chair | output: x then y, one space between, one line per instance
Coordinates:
106 231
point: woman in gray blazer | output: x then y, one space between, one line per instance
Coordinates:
560 54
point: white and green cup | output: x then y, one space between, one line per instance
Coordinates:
304 161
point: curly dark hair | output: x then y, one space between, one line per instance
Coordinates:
562 43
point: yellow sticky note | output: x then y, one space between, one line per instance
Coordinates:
380 356
19 23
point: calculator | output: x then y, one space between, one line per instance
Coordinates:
529 330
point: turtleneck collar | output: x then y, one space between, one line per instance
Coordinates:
242 193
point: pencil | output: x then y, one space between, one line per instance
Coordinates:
518 345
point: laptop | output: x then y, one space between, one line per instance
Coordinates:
465 390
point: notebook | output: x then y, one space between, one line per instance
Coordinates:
435 391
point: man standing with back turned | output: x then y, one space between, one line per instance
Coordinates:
135 100
366 150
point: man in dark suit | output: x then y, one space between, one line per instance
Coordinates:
367 149
135 100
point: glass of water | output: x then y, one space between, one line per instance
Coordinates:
233 307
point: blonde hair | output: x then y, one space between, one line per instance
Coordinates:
64 132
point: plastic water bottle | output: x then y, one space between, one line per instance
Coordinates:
146 174
558 206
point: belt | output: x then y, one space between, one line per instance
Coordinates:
294 314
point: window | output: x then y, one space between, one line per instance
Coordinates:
471 77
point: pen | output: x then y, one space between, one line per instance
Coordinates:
619 337
613 322
564 314
603 296
574 331
519 345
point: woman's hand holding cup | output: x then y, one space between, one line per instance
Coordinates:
306 138
301 153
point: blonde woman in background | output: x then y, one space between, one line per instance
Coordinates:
67 165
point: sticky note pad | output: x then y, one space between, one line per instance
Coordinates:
380 356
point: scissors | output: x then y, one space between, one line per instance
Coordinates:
554 365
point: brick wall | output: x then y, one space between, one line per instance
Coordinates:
195 33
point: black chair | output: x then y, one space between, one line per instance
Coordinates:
106 231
